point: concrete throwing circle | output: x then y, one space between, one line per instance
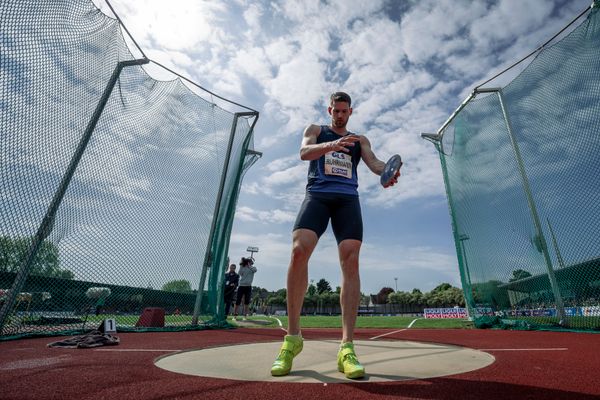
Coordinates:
384 361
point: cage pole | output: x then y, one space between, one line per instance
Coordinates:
560 308
208 256
463 268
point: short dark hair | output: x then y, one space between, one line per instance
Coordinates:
340 96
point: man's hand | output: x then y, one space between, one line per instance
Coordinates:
394 180
342 143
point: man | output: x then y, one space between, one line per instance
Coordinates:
231 283
247 271
331 193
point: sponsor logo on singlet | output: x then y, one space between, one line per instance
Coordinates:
339 164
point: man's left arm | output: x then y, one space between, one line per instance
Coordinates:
367 155
375 164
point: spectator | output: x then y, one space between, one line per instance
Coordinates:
231 283
247 271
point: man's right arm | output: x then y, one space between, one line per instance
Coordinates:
311 150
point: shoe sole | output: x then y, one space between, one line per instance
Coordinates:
354 375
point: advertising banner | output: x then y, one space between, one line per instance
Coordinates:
445 313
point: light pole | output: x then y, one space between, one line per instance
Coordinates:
396 279
252 250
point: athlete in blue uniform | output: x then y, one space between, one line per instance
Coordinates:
331 194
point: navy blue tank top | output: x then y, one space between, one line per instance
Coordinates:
334 172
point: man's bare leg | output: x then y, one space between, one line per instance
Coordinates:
304 242
347 361
349 251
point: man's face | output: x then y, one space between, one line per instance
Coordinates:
232 268
340 112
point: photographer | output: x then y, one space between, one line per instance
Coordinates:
247 271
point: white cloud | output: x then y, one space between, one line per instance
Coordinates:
177 25
506 20
266 217
252 16
286 177
254 63
368 44
429 29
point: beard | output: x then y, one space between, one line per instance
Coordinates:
339 123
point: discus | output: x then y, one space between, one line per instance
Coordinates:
389 171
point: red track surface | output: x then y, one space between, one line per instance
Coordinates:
30 370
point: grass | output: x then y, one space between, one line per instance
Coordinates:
372 322
319 321
132 319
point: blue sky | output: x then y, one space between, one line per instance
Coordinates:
407 65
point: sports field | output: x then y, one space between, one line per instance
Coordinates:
375 322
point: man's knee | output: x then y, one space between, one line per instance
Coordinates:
304 241
349 253
299 253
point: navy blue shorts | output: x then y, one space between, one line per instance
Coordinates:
343 210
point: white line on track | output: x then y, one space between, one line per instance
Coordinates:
280 324
400 330
411 324
124 350
386 334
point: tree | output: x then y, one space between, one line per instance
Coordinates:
399 298
364 299
382 296
444 295
330 299
178 286
323 286
442 287
312 289
13 252
278 298
519 274
491 294
260 293
456 296
416 297
276 301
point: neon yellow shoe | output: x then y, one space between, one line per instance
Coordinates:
291 347
348 363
